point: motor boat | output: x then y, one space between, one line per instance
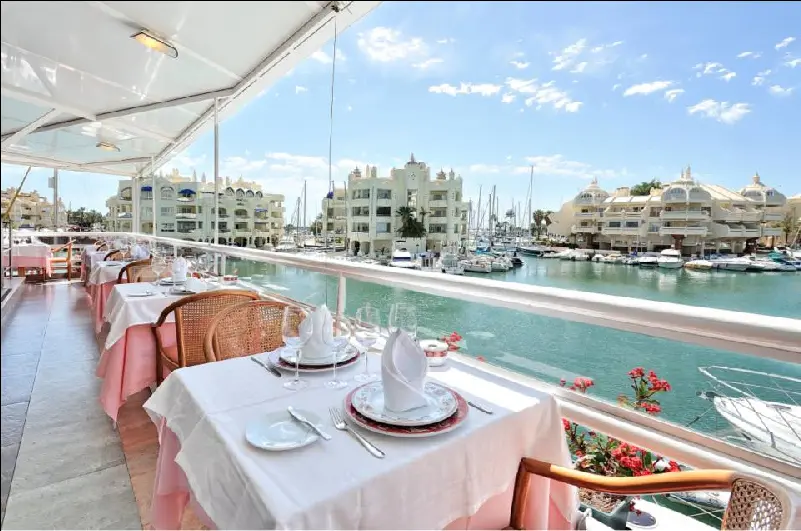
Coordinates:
450 264
648 260
702 265
670 259
532 250
476 265
403 259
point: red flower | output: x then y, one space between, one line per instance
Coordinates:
481 358
674 466
566 424
637 372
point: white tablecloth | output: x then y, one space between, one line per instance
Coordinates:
421 484
103 272
123 311
31 250
93 257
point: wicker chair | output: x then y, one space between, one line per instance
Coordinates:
114 254
193 314
753 504
245 329
130 271
146 274
101 246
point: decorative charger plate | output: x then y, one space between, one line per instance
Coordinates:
445 426
168 281
368 400
349 358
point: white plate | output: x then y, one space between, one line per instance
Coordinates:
344 355
168 281
368 400
278 431
345 359
142 294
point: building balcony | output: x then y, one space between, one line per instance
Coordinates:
624 231
772 231
586 230
592 215
772 216
683 231
689 215
186 215
438 203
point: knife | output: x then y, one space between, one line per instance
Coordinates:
272 370
300 418
483 409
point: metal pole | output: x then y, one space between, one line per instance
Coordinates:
216 179
55 199
153 194
340 299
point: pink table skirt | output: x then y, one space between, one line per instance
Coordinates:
171 494
130 365
99 294
29 262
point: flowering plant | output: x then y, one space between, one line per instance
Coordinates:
600 454
452 340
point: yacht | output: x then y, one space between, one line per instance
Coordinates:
286 244
703 265
402 258
648 260
450 264
476 265
670 259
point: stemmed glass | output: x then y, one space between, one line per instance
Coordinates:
366 331
403 316
294 339
340 342
158 264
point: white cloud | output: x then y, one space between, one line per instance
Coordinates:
672 94
537 94
386 45
579 68
778 90
428 63
551 165
616 86
722 111
568 56
728 76
300 89
752 55
326 58
647 88
447 40
519 64
712 68
237 165
785 43
759 79
485 89
602 47
186 162
792 63
507 98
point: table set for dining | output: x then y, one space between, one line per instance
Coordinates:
346 425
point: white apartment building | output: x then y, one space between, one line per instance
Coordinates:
31 210
334 208
185 209
684 214
371 203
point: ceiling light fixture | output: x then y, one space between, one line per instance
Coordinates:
149 40
107 146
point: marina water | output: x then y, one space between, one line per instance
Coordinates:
551 348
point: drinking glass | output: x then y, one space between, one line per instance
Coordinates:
294 339
403 316
340 343
366 331
158 265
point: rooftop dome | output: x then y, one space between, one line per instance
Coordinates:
758 191
592 193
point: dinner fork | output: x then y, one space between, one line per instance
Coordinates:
340 424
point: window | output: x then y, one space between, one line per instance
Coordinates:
361 194
383 228
384 194
360 211
411 198
383 211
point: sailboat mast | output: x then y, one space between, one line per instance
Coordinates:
304 205
478 212
530 194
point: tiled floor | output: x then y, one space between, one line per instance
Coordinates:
63 464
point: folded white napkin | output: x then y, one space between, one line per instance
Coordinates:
403 373
196 285
179 269
318 327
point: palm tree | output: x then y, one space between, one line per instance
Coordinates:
410 227
644 188
788 226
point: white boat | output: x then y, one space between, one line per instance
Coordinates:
403 259
648 260
739 396
730 264
286 244
500 263
450 264
670 259
476 265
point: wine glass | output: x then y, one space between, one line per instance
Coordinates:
403 316
294 339
366 331
340 342
158 264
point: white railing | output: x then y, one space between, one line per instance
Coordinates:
758 335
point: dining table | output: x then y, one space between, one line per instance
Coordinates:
29 255
462 479
102 278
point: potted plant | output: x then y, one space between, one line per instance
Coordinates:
600 454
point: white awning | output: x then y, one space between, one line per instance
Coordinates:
81 94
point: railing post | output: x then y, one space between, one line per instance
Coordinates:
340 299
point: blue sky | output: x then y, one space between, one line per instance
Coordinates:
619 91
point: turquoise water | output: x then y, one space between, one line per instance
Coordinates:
551 349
